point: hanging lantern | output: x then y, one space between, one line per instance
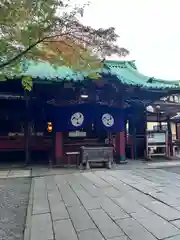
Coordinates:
49 127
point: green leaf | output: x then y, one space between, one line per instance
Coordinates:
2 78
94 76
27 83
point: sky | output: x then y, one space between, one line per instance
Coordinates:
149 29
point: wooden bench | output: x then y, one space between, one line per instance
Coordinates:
76 154
91 155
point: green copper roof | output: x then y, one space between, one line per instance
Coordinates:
125 71
47 72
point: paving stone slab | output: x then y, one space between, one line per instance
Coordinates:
105 224
91 234
77 181
51 186
40 200
155 224
143 188
177 208
127 204
117 183
57 206
134 230
87 200
3 174
96 180
93 190
113 210
174 238
170 189
76 186
176 223
91 203
54 197
41 227
58 209
27 230
125 177
40 205
162 210
139 197
19 173
112 192
68 195
80 218
119 238
167 199
64 230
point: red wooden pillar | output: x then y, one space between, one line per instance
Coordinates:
121 145
58 147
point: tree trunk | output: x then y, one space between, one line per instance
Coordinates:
26 129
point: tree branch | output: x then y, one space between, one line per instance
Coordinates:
19 55
27 50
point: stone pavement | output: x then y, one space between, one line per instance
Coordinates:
36 171
15 173
139 204
131 165
175 163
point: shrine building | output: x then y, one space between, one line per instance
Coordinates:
67 110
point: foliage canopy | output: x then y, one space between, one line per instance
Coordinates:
51 30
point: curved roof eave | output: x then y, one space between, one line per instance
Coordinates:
125 71
128 73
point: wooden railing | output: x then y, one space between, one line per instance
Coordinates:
17 143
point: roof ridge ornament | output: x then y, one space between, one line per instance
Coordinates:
150 80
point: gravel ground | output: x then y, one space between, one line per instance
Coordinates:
14 194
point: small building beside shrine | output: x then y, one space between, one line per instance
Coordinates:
67 110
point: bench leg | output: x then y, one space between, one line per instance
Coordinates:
68 161
77 161
87 165
81 166
109 165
